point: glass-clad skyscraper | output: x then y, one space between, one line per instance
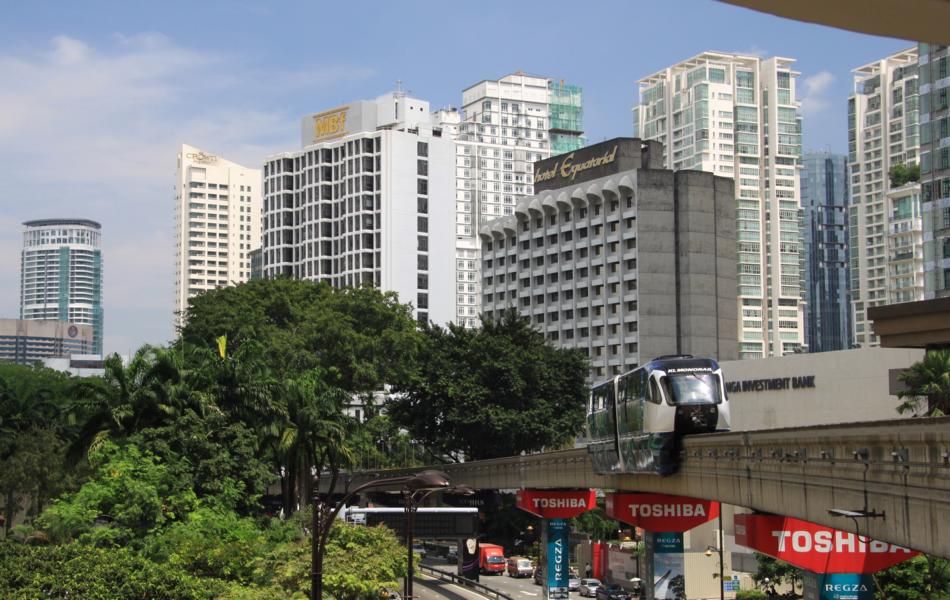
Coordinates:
824 229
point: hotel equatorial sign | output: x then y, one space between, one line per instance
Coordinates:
330 124
567 169
585 164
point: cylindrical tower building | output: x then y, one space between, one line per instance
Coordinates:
61 273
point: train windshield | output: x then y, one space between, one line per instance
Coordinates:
694 387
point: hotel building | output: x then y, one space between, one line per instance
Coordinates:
618 257
367 199
715 112
504 127
61 274
217 223
884 217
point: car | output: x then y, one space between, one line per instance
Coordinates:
574 583
452 556
538 576
589 587
519 566
419 549
612 592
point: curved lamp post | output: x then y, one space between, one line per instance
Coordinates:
321 524
709 552
431 481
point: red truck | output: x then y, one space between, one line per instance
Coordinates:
491 559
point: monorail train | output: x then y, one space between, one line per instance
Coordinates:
636 421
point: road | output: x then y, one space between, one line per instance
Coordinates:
523 588
427 588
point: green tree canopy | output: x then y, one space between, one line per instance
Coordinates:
927 379
362 338
901 174
495 391
920 578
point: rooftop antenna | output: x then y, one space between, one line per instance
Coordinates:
399 93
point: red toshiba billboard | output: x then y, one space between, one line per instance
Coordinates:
555 504
816 548
661 512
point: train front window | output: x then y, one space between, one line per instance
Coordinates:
691 388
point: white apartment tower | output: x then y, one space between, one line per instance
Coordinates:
61 275
217 223
367 200
737 116
885 228
504 127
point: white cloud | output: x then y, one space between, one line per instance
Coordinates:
91 130
814 93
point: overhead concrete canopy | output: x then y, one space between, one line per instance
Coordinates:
923 324
918 20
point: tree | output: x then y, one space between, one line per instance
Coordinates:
923 577
33 407
497 391
313 438
776 571
927 379
596 523
82 571
35 470
127 398
129 494
360 337
901 174
218 458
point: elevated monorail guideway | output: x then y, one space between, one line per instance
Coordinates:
900 468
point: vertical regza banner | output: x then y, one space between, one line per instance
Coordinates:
557 567
555 507
669 570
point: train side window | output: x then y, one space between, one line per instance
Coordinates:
655 396
622 398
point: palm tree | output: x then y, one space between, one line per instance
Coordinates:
927 379
313 437
147 392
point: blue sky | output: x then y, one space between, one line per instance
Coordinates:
95 96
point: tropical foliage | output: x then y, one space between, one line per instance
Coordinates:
477 387
927 385
202 456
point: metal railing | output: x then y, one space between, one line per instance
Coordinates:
466 583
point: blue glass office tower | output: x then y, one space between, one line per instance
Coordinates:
824 229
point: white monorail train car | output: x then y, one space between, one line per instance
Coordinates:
636 421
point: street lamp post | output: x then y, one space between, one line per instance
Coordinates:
415 497
710 550
324 516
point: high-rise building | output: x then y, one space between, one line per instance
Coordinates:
504 127
61 273
715 112
935 167
368 199
884 220
618 257
217 223
29 341
824 185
